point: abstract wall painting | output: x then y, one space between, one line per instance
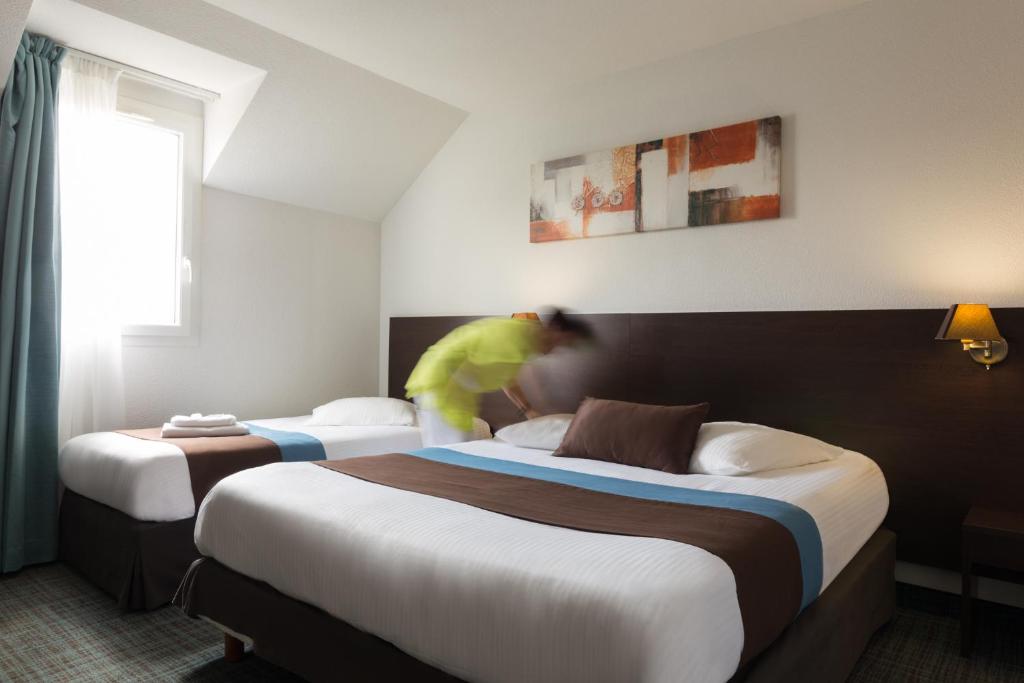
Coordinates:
723 175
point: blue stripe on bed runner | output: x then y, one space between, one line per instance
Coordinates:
294 446
798 521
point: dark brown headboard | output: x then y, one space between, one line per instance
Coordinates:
946 432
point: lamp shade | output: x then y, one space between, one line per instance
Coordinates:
968 322
525 316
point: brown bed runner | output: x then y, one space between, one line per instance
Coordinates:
211 458
760 551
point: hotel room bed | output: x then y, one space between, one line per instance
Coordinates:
128 509
149 480
478 595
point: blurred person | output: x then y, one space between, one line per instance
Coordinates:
479 357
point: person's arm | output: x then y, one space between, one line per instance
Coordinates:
519 400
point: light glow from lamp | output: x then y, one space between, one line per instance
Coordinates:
974 327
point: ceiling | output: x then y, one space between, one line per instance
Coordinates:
319 132
339 104
98 33
477 53
12 19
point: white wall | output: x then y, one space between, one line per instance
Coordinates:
903 169
13 14
288 316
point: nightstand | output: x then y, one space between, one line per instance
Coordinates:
993 538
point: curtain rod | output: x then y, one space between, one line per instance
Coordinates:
149 77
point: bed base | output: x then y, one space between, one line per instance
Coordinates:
827 639
822 645
138 563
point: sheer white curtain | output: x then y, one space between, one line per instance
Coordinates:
91 374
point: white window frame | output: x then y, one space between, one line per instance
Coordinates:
190 127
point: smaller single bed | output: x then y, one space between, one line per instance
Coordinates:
149 480
129 506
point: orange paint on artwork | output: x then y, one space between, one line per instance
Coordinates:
623 165
598 200
758 208
588 210
722 146
628 199
676 148
603 198
549 231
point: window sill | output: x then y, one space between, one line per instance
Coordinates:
171 337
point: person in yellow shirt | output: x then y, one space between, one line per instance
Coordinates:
482 356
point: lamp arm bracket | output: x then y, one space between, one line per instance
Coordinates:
988 352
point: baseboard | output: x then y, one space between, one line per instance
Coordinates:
944 580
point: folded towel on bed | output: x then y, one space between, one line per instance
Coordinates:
200 420
170 431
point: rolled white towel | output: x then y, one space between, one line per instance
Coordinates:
200 420
170 431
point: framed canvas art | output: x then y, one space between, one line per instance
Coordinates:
722 175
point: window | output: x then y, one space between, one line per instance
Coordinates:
130 178
147 170
154 164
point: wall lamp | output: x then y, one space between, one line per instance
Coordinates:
972 325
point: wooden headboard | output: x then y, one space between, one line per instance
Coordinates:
946 432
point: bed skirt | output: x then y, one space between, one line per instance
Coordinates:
138 563
823 644
827 639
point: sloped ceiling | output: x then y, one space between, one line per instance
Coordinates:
319 132
13 14
98 33
478 53
357 96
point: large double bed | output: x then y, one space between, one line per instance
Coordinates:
304 560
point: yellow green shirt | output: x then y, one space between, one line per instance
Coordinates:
484 355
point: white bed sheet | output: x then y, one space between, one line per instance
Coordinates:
149 480
493 598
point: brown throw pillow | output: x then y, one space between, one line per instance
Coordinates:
655 437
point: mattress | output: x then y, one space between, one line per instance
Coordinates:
494 598
149 480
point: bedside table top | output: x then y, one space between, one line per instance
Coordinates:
994 522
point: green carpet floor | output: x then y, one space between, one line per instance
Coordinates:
54 626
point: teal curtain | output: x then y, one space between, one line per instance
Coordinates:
29 306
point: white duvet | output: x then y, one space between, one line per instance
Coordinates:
493 598
148 480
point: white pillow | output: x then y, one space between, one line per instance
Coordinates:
367 411
737 448
544 432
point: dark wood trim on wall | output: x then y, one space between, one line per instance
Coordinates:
947 433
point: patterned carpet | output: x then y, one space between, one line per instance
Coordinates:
922 643
56 627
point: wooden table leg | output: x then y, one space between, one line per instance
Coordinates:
233 648
966 609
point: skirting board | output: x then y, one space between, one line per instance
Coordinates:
946 581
